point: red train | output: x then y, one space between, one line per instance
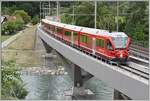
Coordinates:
112 46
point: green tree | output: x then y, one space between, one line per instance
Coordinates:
35 19
11 26
137 21
23 14
19 23
31 7
66 19
8 10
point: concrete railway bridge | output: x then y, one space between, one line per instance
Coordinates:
129 82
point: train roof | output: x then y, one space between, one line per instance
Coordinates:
117 34
54 23
90 31
73 27
86 29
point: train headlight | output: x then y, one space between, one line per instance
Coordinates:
121 55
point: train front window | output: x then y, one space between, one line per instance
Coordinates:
120 42
109 46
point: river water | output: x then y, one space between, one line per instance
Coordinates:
52 87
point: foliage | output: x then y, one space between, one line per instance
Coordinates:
12 85
8 10
35 19
23 14
8 27
19 23
137 23
66 19
85 20
11 26
105 17
31 7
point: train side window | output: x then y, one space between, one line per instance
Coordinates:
109 46
67 33
83 38
58 30
100 43
86 39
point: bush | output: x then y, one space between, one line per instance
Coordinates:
19 23
35 19
8 27
23 14
11 26
12 84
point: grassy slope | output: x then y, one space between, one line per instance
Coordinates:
5 37
22 50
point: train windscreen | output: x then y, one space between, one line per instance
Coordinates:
120 42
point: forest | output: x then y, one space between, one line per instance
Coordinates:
132 16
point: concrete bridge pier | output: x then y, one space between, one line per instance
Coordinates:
79 76
47 47
78 91
120 96
79 79
48 57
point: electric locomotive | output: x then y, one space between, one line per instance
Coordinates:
113 46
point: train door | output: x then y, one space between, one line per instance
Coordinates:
75 38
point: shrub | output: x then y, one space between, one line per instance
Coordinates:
23 14
35 19
11 26
19 23
12 84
